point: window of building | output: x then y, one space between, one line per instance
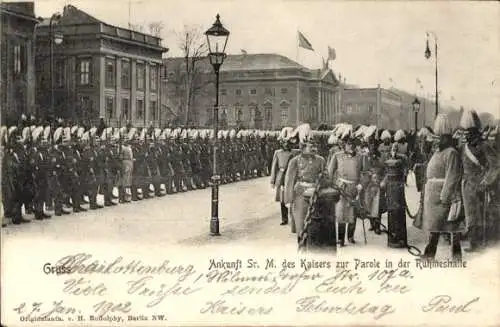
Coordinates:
140 109
126 75
153 111
110 107
238 92
284 90
110 73
141 76
153 78
252 108
268 112
284 113
59 73
268 91
253 91
84 72
126 108
238 112
223 92
348 108
370 108
17 59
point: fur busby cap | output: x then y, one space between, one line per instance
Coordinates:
442 125
386 135
400 134
470 120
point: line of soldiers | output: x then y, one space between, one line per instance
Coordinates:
365 172
63 168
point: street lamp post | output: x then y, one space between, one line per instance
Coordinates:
428 54
217 37
56 38
416 108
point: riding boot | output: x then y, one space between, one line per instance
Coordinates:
284 214
342 230
351 228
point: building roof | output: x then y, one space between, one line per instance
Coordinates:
72 16
255 62
24 10
259 61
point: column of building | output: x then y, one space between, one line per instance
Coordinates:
133 92
118 89
147 111
101 68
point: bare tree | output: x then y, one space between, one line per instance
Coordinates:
156 28
192 44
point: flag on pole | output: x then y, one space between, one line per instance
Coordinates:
419 81
452 98
303 42
243 51
332 55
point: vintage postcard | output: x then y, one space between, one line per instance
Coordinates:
240 163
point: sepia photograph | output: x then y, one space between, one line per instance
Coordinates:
244 163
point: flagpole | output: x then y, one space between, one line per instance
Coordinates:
297 112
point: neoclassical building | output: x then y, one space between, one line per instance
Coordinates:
100 70
261 91
17 82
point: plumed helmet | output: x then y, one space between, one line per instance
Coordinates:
285 133
142 134
183 134
58 135
74 130
131 133
85 137
399 135
386 135
442 125
26 133
360 131
80 132
46 133
370 131
66 137
470 120
3 135
93 132
346 132
32 128
239 134
423 132
333 139
37 133
232 134
157 132
303 133
219 134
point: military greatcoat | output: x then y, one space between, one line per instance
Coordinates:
442 188
303 170
480 162
345 170
279 166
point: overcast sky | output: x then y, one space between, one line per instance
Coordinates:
374 41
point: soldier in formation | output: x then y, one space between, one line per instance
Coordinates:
62 167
